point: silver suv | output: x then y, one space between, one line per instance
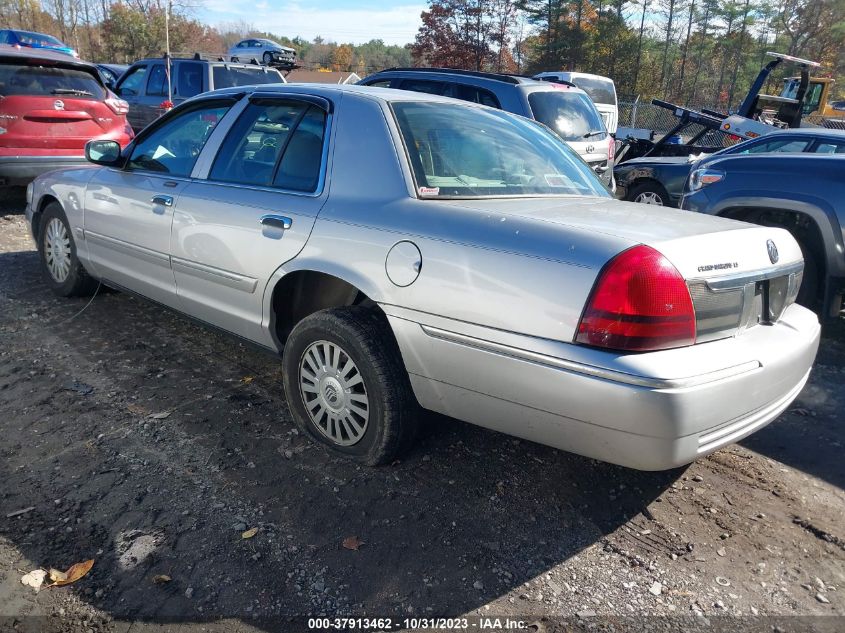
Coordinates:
566 109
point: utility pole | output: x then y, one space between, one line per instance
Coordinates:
167 51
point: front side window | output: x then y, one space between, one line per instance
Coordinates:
278 143
132 84
570 114
157 83
173 147
781 146
462 152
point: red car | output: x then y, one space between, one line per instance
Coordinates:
50 106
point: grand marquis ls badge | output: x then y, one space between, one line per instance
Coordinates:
773 251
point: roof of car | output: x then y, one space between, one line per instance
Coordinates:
503 77
42 54
809 131
327 90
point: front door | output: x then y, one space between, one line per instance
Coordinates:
129 211
252 213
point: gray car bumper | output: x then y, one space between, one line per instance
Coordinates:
21 170
679 405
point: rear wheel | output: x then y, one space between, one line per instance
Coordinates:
62 271
346 384
649 193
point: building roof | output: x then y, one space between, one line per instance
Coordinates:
318 77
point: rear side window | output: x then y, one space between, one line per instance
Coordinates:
600 90
173 147
570 114
231 77
423 85
277 143
48 81
157 83
189 79
478 95
830 147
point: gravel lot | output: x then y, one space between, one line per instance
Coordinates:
132 436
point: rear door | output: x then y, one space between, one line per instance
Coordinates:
251 211
129 211
51 110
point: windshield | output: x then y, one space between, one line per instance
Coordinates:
48 81
41 39
600 90
229 77
570 114
464 152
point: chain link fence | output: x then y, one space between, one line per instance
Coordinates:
646 115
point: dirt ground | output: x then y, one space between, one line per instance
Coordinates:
134 437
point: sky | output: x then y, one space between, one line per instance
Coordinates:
334 20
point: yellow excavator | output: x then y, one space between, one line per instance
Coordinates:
818 97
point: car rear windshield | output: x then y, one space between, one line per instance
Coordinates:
460 151
600 90
569 113
48 81
230 77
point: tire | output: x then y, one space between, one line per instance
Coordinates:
62 270
649 192
235 60
373 407
808 293
268 58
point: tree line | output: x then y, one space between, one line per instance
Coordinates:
700 52
122 32
690 51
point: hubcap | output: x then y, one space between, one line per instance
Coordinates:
334 393
57 250
649 197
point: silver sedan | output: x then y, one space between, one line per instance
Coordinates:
401 250
264 51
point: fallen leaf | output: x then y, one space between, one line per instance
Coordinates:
34 579
160 579
137 409
250 533
20 512
160 416
352 542
56 575
73 574
247 379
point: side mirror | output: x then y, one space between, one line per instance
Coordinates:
103 152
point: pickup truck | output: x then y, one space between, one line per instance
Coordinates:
802 193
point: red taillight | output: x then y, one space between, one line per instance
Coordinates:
639 303
611 147
118 106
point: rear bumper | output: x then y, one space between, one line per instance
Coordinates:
21 170
662 416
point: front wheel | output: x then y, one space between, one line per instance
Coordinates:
57 249
235 60
649 193
268 58
347 386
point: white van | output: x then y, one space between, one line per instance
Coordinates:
602 91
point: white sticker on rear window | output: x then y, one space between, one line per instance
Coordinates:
429 191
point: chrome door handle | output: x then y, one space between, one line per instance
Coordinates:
278 221
166 201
